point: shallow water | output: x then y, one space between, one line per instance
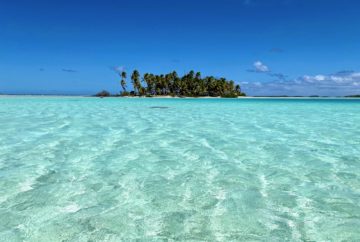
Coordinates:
79 169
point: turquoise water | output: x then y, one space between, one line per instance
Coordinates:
81 169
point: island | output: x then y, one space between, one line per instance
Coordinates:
191 84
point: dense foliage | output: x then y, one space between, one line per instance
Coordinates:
103 94
190 85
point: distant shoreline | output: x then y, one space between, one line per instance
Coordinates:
177 97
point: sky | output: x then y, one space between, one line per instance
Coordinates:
269 47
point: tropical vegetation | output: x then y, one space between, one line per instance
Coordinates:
191 84
354 96
103 93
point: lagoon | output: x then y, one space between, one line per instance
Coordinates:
149 169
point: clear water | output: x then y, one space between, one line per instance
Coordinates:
79 169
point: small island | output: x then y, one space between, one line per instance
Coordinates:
353 96
189 85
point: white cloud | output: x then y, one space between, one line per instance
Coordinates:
338 84
260 67
337 79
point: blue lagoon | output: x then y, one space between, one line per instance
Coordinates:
79 169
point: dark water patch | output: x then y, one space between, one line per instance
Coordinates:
49 177
159 107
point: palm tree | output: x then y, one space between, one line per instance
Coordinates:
231 87
149 80
238 89
135 77
142 91
176 83
198 75
163 84
190 84
123 80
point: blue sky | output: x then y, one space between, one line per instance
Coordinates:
270 47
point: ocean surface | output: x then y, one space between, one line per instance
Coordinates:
125 169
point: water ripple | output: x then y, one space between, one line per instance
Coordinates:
81 169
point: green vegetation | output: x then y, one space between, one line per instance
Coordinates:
353 96
189 85
123 80
103 94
